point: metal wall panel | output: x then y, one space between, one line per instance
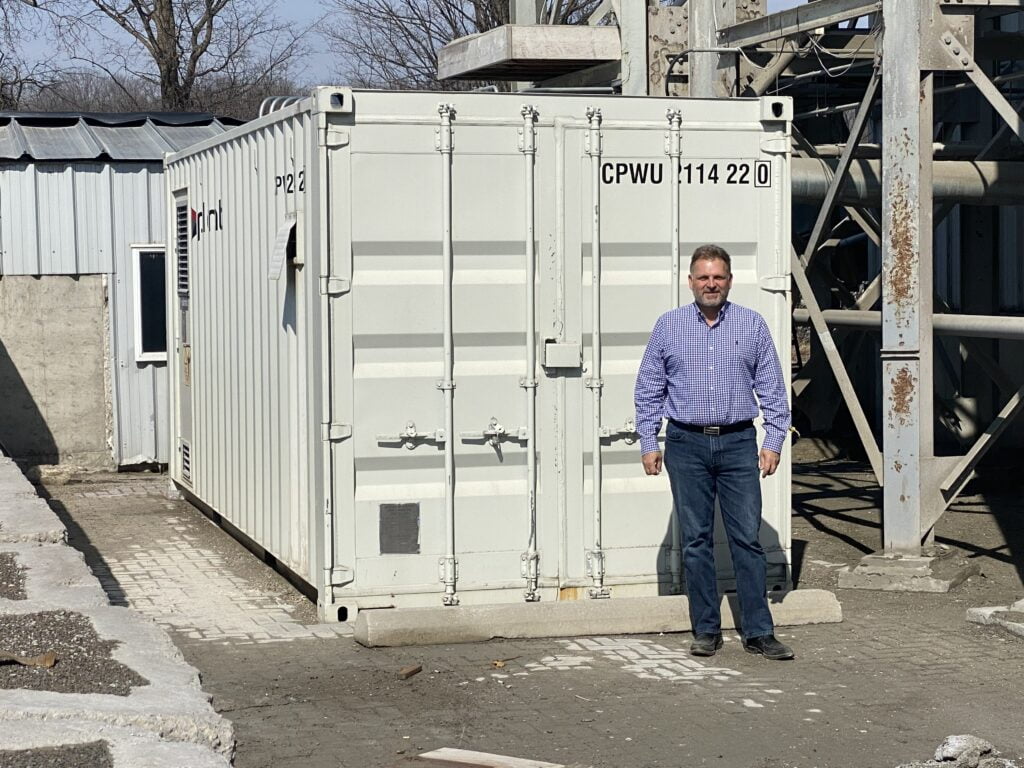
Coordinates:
82 218
375 196
247 396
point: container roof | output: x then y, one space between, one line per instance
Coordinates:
126 136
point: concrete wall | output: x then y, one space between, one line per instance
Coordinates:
54 402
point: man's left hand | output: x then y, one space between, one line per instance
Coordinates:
767 462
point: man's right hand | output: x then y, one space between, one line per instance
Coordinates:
652 463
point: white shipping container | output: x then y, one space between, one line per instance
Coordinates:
408 325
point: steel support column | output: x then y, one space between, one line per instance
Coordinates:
706 76
907 357
633 37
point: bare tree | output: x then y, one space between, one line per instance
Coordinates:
394 43
21 77
193 53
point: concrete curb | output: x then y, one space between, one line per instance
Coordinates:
55 577
1009 617
24 517
129 748
622 616
173 705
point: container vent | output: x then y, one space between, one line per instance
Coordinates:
400 529
181 223
186 462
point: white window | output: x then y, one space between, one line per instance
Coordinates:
150 295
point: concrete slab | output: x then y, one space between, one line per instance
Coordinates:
56 576
1009 617
904 573
622 616
528 52
24 517
173 705
129 747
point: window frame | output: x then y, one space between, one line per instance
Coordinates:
137 249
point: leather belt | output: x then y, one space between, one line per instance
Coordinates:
714 431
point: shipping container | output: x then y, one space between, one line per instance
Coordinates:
406 329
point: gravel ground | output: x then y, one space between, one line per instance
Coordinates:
92 755
84 664
12 577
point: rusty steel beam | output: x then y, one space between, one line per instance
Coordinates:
907 355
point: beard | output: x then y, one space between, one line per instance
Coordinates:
710 300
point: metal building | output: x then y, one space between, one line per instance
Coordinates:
406 329
81 277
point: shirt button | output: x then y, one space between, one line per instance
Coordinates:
711 367
711 348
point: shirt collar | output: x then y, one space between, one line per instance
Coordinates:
722 313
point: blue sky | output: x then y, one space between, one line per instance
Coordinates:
321 65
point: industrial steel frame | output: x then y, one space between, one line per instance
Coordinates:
918 38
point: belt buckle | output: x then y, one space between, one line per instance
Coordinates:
713 431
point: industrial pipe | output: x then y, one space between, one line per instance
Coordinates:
531 560
449 565
594 383
975 326
973 182
674 148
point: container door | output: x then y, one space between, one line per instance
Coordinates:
388 361
728 194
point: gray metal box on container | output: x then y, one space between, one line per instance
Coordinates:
386 301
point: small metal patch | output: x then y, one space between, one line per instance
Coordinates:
400 529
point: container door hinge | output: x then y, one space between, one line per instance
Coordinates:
336 136
342 575
334 433
335 286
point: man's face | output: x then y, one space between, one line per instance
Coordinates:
710 281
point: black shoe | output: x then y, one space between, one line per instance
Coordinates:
705 644
768 647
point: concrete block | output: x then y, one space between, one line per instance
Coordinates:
129 747
527 51
904 573
173 705
56 576
52 369
1009 617
622 616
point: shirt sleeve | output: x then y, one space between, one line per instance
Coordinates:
770 388
651 390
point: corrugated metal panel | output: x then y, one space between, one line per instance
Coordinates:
254 339
56 218
140 413
59 142
88 137
247 407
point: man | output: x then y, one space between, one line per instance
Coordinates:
703 365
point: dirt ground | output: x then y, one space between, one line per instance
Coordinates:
884 687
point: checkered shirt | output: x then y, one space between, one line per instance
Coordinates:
708 375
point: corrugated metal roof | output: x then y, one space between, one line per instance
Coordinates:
102 136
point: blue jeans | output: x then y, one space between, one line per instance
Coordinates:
700 467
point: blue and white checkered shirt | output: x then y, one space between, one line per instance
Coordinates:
708 375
